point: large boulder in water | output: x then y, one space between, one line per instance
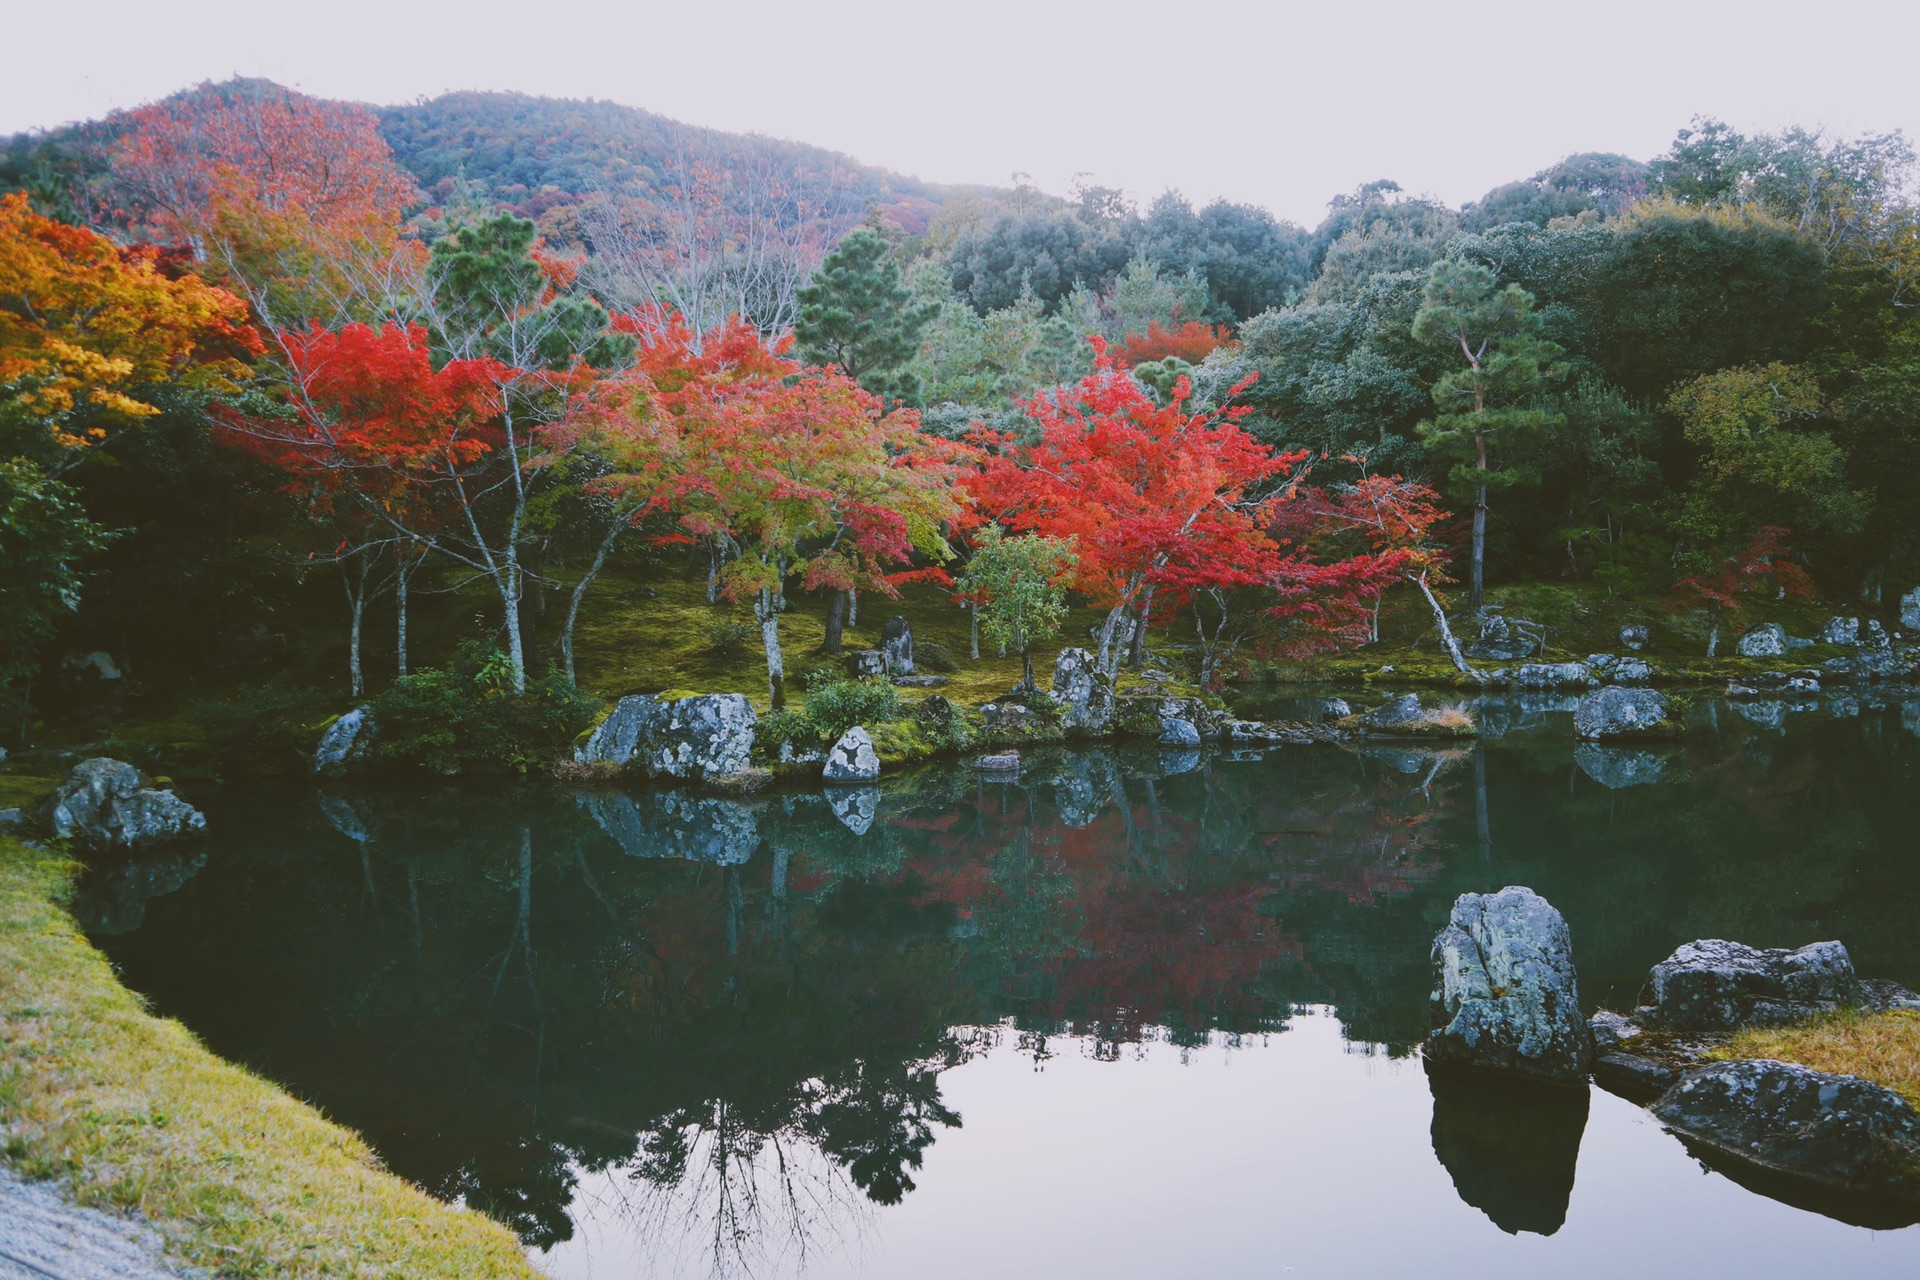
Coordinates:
1614 712
852 758
1084 692
1838 1131
345 741
708 736
1505 995
107 804
1711 985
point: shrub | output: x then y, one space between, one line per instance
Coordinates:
466 719
776 727
261 729
836 705
934 656
729 636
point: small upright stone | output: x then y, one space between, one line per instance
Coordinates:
1634 636
896 646
852 758
1505 995
1084 692
1768 640
1841 631
345 741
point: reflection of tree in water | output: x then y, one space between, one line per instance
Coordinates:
505 990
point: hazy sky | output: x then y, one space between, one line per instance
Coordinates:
1279 104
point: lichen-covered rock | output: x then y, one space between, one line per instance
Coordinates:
1505 995
1875 637
345 741
1634 636
1500 641
1335 709
1003 762
1610 1030
106 804
1620 670
685 738
1084 692
1400 713
1178 733
1838 1131
1768 640
1711 985
1614 712
1554 675
896 646
1841 631
855 806
852 758
674 824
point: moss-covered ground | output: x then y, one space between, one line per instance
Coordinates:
131 1112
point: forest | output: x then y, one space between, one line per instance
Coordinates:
275 370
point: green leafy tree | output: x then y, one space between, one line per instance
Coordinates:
858 316
44 535
1019 585
1492 405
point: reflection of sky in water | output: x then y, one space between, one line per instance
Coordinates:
1291 1154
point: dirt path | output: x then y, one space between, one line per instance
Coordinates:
44 1236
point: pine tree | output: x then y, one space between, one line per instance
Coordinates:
857 316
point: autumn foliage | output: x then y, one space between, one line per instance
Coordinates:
1188 340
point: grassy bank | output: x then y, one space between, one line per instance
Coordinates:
1881 1047
132 1112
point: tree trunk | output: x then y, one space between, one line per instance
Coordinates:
836 622
1026 668
853 608
509 585
1477 584
1112 642
1713 638
973 630
580 591
1138 651
359 599
400 615
1446 631
766 609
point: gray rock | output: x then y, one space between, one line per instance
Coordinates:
1634 636
1335 709
708 736
865 664
1841 631
1875 637
1910 610
1003 762
851 759
920 682
1007 716
1500 641
1505 994
1711 985
1617 768
1803 686
1403 711
1554 675
1837 1131
1768 640
1085 692
896 646
12 820
1632 1076
106 804
345 741
1610 1030
674 824
1617 670
1615 712
1178 733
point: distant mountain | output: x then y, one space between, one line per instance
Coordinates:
537 154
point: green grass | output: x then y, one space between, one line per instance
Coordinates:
130 1111
1881 1047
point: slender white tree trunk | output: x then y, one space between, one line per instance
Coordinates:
973 630
1446 632
766 607
580 591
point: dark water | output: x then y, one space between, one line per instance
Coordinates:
1134 1014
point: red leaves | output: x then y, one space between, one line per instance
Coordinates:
1190 341
1156 496
1764 565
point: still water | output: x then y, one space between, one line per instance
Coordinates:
1133 1014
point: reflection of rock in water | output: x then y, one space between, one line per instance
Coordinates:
345 817
1400 759
115 896
1179 760
1085 784
671 824
856 807
1619 767
1510 1145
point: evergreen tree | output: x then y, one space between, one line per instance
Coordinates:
857 315
1493 403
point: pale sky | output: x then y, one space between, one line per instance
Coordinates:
1278 104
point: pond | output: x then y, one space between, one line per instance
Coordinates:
1134 1013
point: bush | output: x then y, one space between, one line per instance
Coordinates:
776 727
729 636
934 656
836 705
262 730
466 718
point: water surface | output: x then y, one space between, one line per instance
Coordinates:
1135 1013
